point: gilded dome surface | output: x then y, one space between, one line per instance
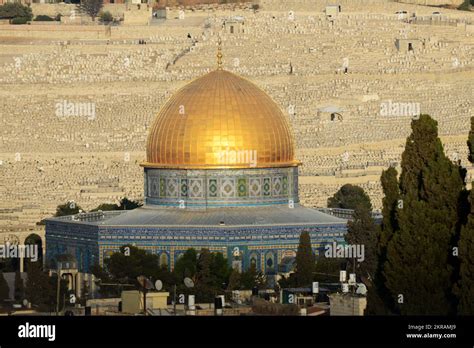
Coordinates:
220 120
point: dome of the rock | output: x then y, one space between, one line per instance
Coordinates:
220 174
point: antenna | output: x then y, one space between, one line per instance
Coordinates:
146 285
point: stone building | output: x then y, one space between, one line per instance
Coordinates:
235 25
409 45
332 10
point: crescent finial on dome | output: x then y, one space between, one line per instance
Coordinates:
219 54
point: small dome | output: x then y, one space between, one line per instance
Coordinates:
220 120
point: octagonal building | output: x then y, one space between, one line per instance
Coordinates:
220 173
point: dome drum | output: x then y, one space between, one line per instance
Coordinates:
201 189
220 141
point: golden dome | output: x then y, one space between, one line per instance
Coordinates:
220 120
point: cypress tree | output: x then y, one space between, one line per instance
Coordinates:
470 142
204 287
466 271
203 273
249 277
466 248
305 261
234 280
363 231
38 287
19 287
220 270
379 301
4 289
418 272
389 206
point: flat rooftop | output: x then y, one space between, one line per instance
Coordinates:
216 217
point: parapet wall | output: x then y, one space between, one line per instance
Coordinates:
313 5
54 31
433 2
66 9
319 5
90 32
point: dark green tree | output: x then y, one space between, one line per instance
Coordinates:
391 192
125 266
19 287
466 5
203 272
234 280
106 17
104 277
327 269
106 207
168 278
418 272
12 10
4 289
127 204
186 265
38 288
204 287
470 142
466 247
124 204
288 282
363 231
51 294
305 261
466 271
91 7
220 270
349 197
249 277
69 208
379 301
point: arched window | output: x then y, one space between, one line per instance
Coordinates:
164 259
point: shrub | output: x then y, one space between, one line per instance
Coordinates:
466 5
43 18
19 20
106 17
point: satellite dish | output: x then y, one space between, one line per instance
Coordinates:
361 289
145 282
158 285
25 302
188 282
